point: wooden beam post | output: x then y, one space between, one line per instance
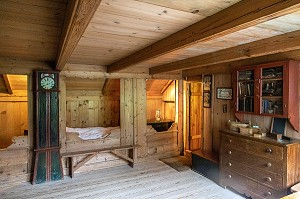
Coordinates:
281 43
241 15
78 16
228 67
7 84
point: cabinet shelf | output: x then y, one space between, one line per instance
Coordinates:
268 90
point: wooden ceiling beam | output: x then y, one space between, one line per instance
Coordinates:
78 16
7 84
281 43
230 66
241 15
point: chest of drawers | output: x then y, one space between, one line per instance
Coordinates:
260 168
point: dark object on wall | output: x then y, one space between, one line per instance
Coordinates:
278 125
207 80
206 99
161 125
224 93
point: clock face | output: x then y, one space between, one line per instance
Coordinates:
47 83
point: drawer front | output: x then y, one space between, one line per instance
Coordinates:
266 178
247 186
253 147
257 162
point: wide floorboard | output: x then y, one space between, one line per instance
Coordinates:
145 180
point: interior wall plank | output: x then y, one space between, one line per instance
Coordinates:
14 120
126 109
220 119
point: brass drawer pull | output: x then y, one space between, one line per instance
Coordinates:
269 164
229 140
269 150
229 152
268 194
229 164
229 176
269 179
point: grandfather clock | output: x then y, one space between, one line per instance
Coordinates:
47 166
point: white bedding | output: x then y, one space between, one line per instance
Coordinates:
91 133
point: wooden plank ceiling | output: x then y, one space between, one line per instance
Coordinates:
187 37
10 84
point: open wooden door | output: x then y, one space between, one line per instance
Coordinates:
195 115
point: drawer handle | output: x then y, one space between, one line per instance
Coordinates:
229 176
229 164
269 179
229 140
269 164
269 150
268 193
229 152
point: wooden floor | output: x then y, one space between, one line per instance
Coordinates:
145 180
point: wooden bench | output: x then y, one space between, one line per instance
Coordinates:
92 153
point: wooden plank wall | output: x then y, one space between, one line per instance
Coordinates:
219 118
13 116
90 109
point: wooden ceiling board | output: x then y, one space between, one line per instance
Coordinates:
131 32
151 12
29 10
31 29
135 25
200 7
18 82
2 85
155 85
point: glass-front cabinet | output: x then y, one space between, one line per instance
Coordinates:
268 89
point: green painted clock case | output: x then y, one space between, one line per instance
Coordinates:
48 165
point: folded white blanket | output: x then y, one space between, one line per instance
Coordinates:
91 133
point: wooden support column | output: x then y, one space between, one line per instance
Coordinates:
132 113
179 111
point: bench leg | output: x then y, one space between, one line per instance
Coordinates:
71 167
131 155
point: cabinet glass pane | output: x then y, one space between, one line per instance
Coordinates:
272 105
246 91
271 73
272 90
